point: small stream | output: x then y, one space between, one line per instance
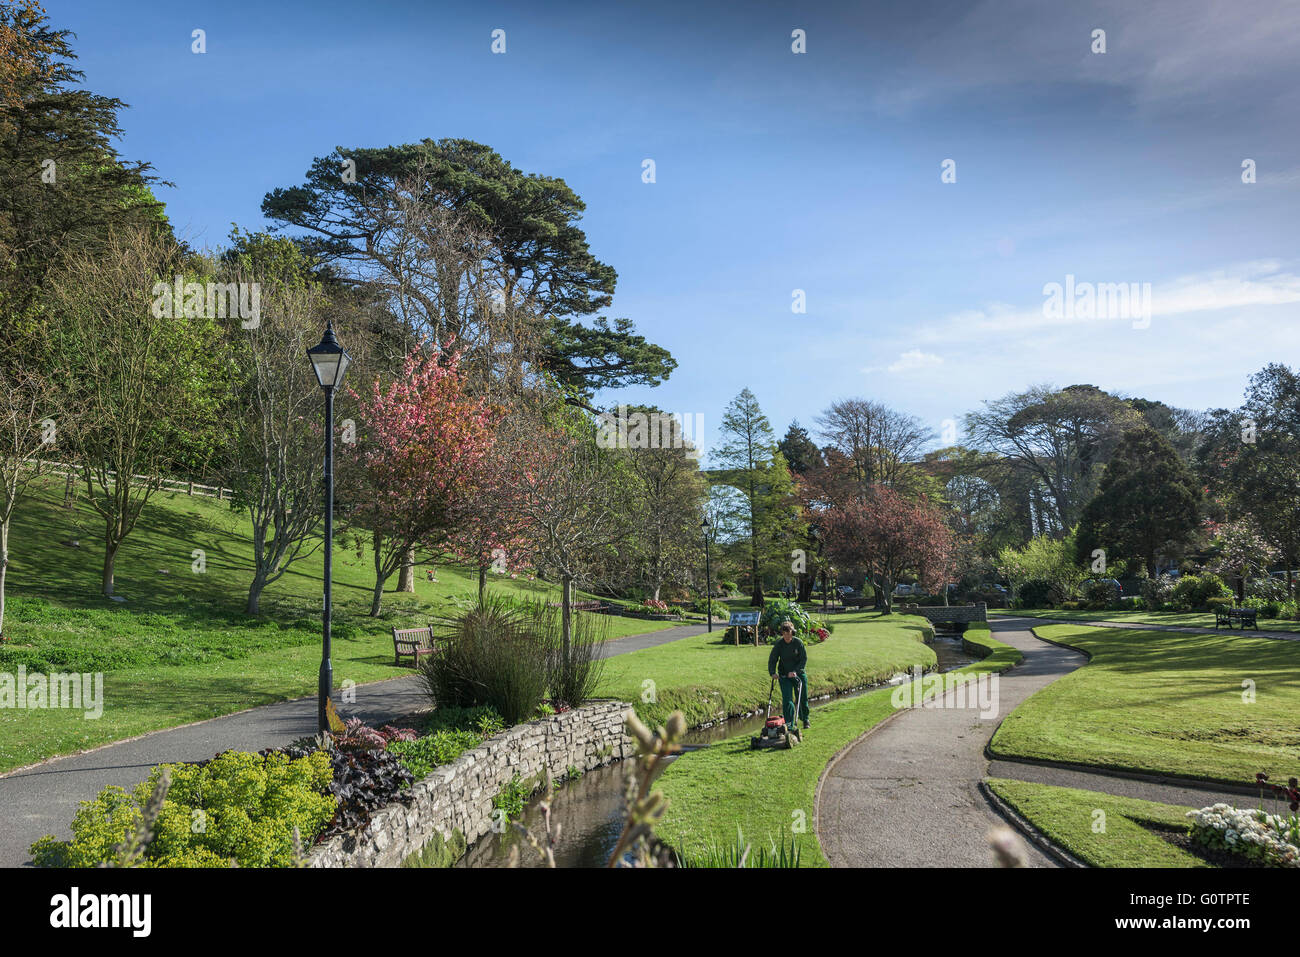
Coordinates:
589 810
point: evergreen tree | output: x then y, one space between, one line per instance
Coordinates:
1147 502
766 508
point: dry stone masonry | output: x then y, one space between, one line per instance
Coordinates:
457 798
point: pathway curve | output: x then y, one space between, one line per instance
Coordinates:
907 794
42 799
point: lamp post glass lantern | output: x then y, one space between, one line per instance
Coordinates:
708 577
330 362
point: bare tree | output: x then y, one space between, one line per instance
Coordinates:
880 443
27 432
1060 438
136 379
572 498
278 445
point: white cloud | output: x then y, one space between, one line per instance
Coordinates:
912 360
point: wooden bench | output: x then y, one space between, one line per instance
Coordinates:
592 605
744 619
412 643
1245 616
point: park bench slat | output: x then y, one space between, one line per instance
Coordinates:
413 643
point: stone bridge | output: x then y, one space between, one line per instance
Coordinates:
947 613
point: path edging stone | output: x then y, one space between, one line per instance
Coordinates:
1033 834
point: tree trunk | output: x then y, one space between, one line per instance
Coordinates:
70 491
406 574
4 568
566 612
255 591
110 561
482 583
380 577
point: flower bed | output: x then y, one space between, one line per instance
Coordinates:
1253 834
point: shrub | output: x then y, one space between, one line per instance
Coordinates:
1193 592
1035 593
492 654
1133 603
248 806
422 755
482 720
1267 608
777 610
573 670
1071 605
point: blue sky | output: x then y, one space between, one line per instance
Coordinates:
819 171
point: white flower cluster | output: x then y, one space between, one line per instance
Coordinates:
1254 834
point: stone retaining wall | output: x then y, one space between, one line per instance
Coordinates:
457 798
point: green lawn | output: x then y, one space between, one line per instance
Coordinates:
706 675
1187 620
181 648
713 791
1165 702
1114 838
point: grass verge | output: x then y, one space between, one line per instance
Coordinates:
1182 619
707 677
181 648
714 791
1214 707
1070 818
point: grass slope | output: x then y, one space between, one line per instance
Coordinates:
1068 817
705 676
714 791
1186 620
1165 702
181 648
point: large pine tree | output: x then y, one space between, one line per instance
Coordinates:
1147 502
766 508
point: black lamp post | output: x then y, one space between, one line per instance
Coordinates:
330 362
708 575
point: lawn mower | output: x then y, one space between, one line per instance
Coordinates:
776 733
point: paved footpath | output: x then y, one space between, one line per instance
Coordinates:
42 799
907 794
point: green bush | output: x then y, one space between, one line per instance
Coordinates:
777 610
1193 592
1035 593
1133 603
422 755
1266 607
1071 605
238 807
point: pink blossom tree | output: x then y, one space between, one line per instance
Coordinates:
421 444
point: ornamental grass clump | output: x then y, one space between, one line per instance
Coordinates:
491 655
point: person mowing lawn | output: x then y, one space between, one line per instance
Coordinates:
789 658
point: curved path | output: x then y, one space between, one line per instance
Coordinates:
41 799
907 794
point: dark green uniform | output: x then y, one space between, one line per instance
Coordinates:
788 656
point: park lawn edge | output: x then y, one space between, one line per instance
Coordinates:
1066 816
1037 751
707 801
1172 619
